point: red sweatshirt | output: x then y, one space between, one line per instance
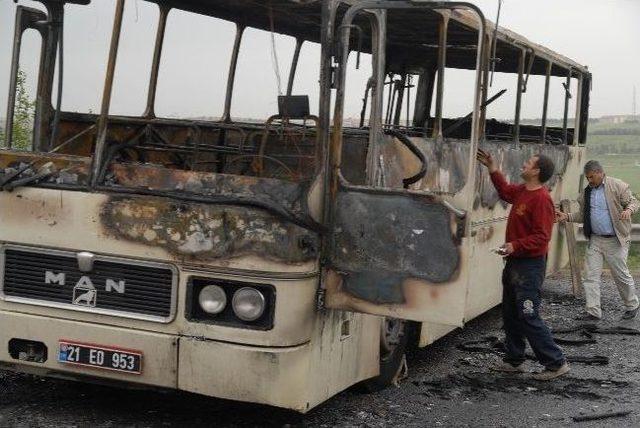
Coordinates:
531 218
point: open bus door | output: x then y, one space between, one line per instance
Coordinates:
396 252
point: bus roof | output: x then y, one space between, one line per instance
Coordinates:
412 35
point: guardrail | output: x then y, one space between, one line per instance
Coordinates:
635 234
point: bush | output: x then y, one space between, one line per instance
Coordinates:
22 117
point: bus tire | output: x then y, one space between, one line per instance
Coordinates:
396 335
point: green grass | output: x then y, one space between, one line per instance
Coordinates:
598 127
624 167
619 155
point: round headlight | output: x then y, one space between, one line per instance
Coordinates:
212 299
248 304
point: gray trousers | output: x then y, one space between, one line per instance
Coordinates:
615 254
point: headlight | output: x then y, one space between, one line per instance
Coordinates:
248 304
212 299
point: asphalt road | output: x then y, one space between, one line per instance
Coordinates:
446 386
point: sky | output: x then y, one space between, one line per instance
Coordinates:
602 34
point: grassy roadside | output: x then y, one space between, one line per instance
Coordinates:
617 148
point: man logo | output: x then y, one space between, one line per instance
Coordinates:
84 292
54 278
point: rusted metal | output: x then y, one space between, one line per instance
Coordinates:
519 89
545 103
565 117
231 77
294 65
379 30
106 96
374 270
202 232
26 18
580 109
284 199
585 94
401 86
424 94
149 111
510 160
55 126
15 62
44 115
485 87
442 60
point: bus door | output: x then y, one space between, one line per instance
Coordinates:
393 248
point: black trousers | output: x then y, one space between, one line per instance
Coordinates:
522 280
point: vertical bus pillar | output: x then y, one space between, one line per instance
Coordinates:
516 125
442 59
545 104
102 128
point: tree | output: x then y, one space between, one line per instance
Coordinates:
22 117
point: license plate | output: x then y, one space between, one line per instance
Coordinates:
100 357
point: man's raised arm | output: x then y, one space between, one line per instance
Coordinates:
506 191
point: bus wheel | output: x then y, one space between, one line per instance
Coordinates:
394 338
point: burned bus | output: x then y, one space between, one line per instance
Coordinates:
278 260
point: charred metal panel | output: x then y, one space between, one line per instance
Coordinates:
201 232
379 240
447 163
510 158
292 196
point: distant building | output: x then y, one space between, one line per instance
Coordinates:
618 119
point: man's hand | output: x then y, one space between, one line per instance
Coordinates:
508 248
485 159
625 215
561 217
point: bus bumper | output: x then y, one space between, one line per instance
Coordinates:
272 376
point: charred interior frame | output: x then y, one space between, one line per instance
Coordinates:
322 22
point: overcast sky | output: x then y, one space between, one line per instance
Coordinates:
602 34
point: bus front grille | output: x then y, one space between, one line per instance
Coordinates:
104 285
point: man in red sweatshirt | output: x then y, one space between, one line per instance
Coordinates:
528 233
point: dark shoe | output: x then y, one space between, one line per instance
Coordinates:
548 374
629 315
587 317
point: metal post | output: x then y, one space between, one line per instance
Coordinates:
226 115
101 134
375 123
543 131
424 94
329 143
578 116
149 111
43 112
294 65
516 125
442 58
565 118
486 59
398 110
13 83
409 86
